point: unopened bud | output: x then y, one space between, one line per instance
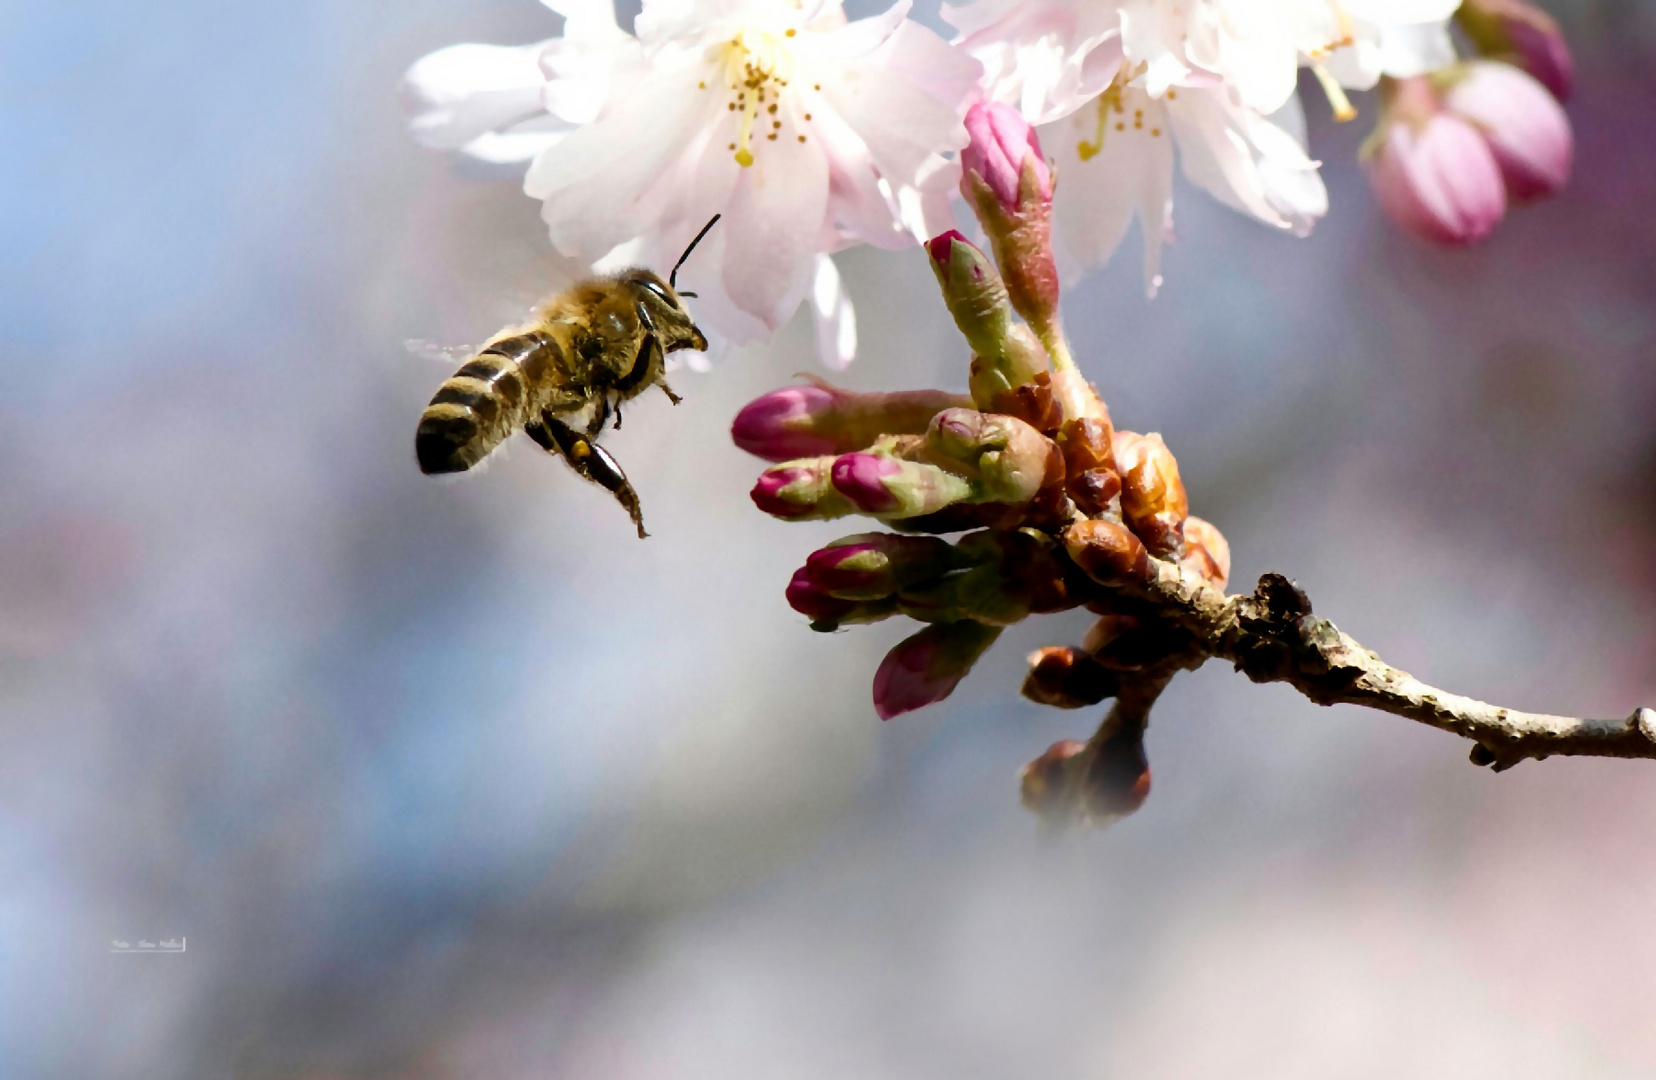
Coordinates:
1091 479
926 667
1207 552
819 419
1068 678
1028 397
800 490
827 612
1522 34
1048 784
1432 172
1005 178
1117 779
1523 125
1108 553
1020 362
984 594
875 565
1035 560
815 603
1003 145
974 292
1152 496
889 487
1013 460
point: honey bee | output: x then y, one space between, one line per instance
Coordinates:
588 349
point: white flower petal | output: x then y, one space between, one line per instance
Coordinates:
1245 161
836 322
1113 170
593 182
925 208
1047 58
771 229
460 93
585 62
901 125
520 143
1415 49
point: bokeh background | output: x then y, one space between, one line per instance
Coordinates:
446 781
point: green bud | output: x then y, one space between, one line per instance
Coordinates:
974 292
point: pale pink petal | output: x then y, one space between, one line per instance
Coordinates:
901 123
1111 170
1524 125
836 322
595 181
1245 161
462 92
518 143
1439 180
771 228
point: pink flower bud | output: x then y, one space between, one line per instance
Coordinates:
875 565
1433 173
807 598
928 666
1521 34
941 246
861 478
1539 48
1001 143
799 490
850 568
777 427
1014 462
896 488
804 421
1523 124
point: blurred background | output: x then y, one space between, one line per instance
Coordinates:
460 780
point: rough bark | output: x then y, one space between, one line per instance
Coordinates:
1271 635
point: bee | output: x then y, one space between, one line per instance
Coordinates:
588 349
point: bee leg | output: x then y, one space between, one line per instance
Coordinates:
600 417
590 460
668 390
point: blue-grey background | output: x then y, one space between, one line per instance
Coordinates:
459 780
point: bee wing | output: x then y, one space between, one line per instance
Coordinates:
427 349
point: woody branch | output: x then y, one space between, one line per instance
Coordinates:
1062 510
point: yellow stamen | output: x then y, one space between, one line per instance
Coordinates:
744 155
753 61
1337 99
1086 151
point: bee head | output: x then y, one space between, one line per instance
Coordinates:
695 339
663 311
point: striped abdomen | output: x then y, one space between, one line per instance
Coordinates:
495 394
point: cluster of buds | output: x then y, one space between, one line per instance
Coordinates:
1057 508
1455 148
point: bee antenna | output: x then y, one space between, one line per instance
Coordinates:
672 279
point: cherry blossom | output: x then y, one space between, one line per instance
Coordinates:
807 131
